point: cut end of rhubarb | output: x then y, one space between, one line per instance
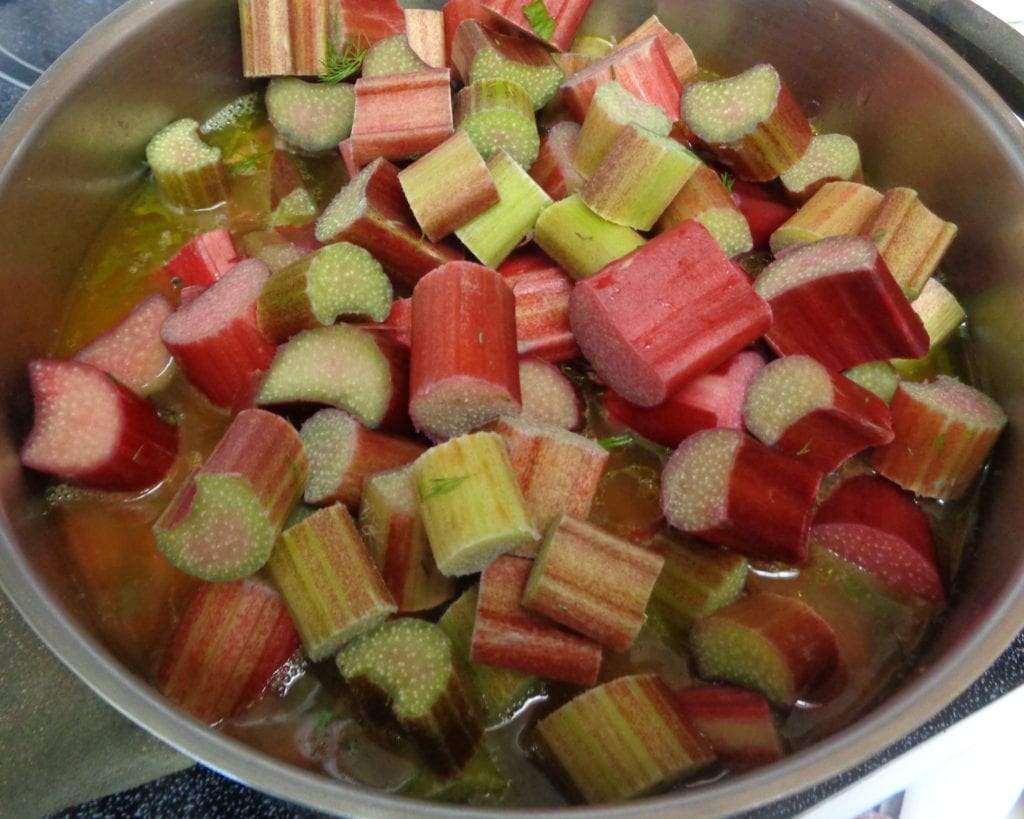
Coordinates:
784 392
695 484
311 116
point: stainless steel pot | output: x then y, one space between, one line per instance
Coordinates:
922 118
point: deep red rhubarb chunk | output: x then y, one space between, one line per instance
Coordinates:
216 340
509 636
723 486
714 399
738 723
763 211
668 312
541 289
875 524
836 301
90 429
205 258
230 641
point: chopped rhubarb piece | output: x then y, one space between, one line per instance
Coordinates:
639 176
581 241
456 12
572 62
706 199
507 635
389 518
553 21
449 186
644 322
216 340
592 45
371 212
340 279
548 395
131 351
424 30
836 301
190 173
941 315
725 487
750 121
502 690
342 453
224 520
815 414
463 373
738 724
611 110
480 782
406 668
622 740
557 470
911 238
205 258
876 525
944 432
776 645
361 22
642 68
347 158
311 116
336 365
592 582
472 506
837 209
878 377
541 289
496 232
267 41
230 641
829 158
714 399
497 115
397 325
329 581
764 213
695 581
554 169
401 115
678 52
92 430
392 55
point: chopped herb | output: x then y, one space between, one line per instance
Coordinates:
440 486
940 442
340 65
879 235
805 449
616 441
321 720
728 180
248 164
583 237
542 23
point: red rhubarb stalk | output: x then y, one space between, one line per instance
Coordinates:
554 169
552 21
738 724
541 289
204 259
764 213
678 52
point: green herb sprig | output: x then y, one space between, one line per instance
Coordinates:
542 23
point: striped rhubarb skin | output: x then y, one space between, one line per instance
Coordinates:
944 431
567 14
836 209
554 169
676 49
230 641
329 581
424 29
623 739
507 635
738 724
592 582
541 289
205 258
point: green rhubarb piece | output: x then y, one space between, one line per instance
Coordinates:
623 739
296 208
829 158
837 209
610 111
496 232
638 177
480 784
329 581
502 690
392 55
539 81
941 315
879 377
579 240
191 174
312 116
338 280
471 504
407 668
498 115
335 365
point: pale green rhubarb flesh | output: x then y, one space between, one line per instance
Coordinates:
941 315
623 739
705 198
548 395
392 55
190 173
311 116
329 581
225 518
829 158
406 670
878 377
498 115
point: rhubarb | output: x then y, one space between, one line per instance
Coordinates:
329 581
716 486
622 740
737 723
944 431
706 199
497 115
548 395
764 212
472 507
456 12
507 635
230 641
224 520
541 289
679 54
190 173
266 39
93 430
424 31
776 645
941 315
311 116
553 21
814 414
836 301
392 55
204 259
554 169
878 377
271 248
463 373
829 158
837 209
643 324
